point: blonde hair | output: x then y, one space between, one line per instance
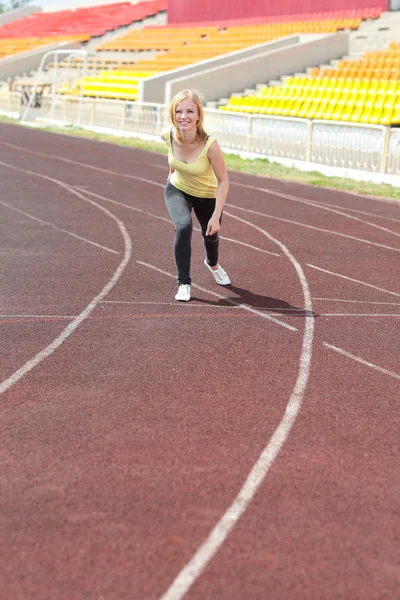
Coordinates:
201 135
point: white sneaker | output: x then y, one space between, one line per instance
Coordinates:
183 294
220 275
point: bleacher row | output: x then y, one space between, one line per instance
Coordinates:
11 46
178 46
83 23
359 13
366 90
359 93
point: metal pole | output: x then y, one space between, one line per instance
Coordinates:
84 71
53 87
385 150
35 85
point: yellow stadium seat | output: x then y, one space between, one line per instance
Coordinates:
358 108
396 111
384 116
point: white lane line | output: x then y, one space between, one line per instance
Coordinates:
357 301
390 201
135 177
192 570
320 229
149 214
335 211
221 297
362 361
330 208
222 237
165 168
37 317
76 162
56 343
176 304
204 305
355 210
353 280
358 315
57 228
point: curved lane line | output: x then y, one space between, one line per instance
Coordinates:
52 226
136 162
347 209
193 569
56 343
357 301
362 361
322 205
160 218
330 231
332 210
80 164
165 168
389 201
127 176
353 280
221 297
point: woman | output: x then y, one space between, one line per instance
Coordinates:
197 180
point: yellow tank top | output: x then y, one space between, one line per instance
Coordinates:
198 178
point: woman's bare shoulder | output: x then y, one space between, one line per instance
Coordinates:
165 133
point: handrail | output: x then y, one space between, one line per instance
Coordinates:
55 96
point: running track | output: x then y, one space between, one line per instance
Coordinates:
242 446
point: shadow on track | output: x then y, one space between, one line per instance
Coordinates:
267 303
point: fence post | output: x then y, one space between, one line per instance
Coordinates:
309 140
385 151
93 112
157 115
123 119
250 133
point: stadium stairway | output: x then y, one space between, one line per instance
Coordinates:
375 34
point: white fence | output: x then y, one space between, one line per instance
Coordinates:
371 148
10 103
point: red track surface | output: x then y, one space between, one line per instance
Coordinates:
131 423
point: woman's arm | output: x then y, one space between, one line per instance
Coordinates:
217 161
170 169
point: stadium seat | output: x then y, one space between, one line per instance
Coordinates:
365 90
177 46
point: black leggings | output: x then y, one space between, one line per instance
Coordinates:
180 205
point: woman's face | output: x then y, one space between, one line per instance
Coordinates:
186 115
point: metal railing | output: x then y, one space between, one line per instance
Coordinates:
393 154
59 78
352 145
371 148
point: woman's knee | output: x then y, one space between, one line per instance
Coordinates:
183 227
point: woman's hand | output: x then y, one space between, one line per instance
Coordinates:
213 225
